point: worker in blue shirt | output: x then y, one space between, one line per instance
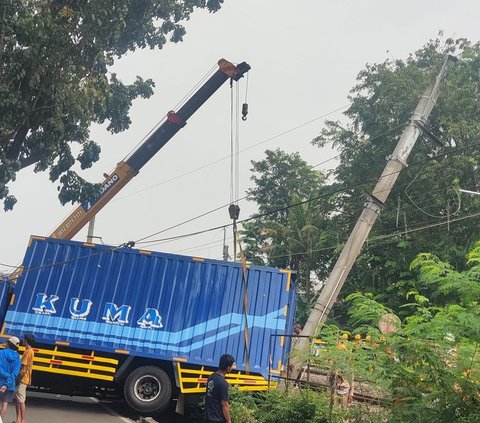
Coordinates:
9 368
217 407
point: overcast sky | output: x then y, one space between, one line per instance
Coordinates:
305 55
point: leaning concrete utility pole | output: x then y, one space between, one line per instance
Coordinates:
396 162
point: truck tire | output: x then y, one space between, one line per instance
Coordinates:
148 390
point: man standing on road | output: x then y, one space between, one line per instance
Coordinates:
25 377
9 368
217 408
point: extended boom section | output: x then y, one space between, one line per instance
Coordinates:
126 170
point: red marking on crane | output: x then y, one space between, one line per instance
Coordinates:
173 117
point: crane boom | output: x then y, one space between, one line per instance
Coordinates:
127 169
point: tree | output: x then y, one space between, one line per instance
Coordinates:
431 364
292 231
277 178
54 79
299 239
426 192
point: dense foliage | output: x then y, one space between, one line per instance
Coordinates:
54 79
429 367
426 210
290 234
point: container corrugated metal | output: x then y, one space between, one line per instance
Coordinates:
152 304
6 289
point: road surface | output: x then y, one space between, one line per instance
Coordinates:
50 408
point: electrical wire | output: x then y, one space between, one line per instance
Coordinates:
373 239
278 210
240 199
390 235
8 265
58 263
328 194
422 210
186 221
229 156
361 144
216 243
232 200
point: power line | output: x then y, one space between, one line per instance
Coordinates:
389 235
216 243
8 265
362 144
373 239
328 194
229 156
187 221
397 233
58 263
240 199
272 212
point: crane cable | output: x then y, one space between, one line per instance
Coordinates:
234 209
246 333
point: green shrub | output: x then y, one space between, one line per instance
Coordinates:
240 413
297 406
243 406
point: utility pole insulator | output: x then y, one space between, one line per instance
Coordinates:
372 199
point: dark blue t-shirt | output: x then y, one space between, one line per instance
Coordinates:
217 391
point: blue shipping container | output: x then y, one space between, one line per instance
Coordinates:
151 304
6 289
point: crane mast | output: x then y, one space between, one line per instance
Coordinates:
127 169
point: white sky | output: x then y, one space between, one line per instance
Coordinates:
305 55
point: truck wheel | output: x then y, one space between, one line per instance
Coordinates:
148 390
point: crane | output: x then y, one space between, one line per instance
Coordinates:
130 167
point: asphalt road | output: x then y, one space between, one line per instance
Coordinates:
50 408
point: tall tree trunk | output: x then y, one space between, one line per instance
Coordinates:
14 150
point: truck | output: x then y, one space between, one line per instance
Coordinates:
146 326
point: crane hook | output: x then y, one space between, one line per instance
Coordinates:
244 111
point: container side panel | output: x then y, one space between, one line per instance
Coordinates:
6 289
154 305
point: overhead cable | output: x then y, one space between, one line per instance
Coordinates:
289 206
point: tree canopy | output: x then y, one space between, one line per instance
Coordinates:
425 211
55 82
290 231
